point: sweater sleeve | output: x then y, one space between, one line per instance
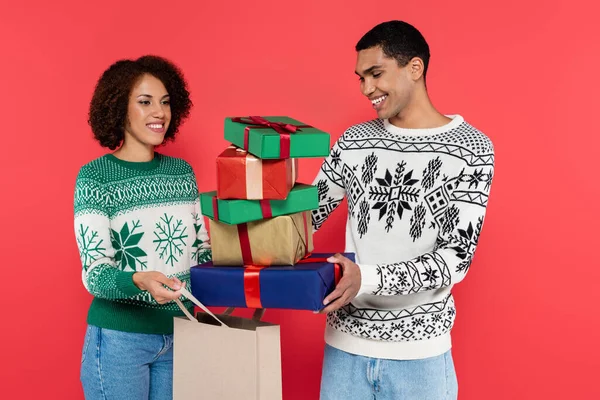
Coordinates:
100 275
201 249
449 262
330 184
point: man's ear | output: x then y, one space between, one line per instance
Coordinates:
416 68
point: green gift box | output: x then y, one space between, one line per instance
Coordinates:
301 198
276 137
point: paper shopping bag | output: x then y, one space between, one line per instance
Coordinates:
225 357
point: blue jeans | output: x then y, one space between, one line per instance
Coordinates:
121 365
347 377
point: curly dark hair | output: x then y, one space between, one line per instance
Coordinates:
399 40
108 108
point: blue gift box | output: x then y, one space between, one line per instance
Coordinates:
299 287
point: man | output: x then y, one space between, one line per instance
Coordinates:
417 184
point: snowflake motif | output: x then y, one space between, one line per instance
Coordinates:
451 312
430 275
403 278
489 181
466 241
437 318
451 219
419 321
394 195
417 222
89 247
431 173
369 169
355 323
170 239
199 255
363 218
127 251
342 315
335 158
423 259
476 178
322 189
397 326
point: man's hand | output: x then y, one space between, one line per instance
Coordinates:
348 287
155 282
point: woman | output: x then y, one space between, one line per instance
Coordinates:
139 229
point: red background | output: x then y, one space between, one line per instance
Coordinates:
524 73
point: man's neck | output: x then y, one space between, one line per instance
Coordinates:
419 114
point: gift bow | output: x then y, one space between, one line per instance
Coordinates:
279 127
282 128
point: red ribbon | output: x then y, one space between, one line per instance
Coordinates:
215 209
337 269
244 236
245 243
252 280
305 233
284 130
252 286
265 207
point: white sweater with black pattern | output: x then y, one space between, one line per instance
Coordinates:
416 204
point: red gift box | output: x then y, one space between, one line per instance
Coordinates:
241 175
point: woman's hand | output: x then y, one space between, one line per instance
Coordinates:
155 282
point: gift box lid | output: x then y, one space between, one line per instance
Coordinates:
265 143
301 198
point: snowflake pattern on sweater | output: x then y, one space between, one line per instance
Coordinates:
135 217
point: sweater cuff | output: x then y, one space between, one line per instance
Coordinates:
369 279
124 282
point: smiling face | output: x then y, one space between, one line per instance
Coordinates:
148 112
388 86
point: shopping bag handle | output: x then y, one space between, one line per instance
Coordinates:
185 293
258 313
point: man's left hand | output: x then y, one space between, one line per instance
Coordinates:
348 287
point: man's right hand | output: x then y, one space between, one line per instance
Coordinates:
155 282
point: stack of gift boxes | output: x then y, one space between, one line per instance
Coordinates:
260 220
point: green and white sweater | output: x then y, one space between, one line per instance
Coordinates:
135 217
